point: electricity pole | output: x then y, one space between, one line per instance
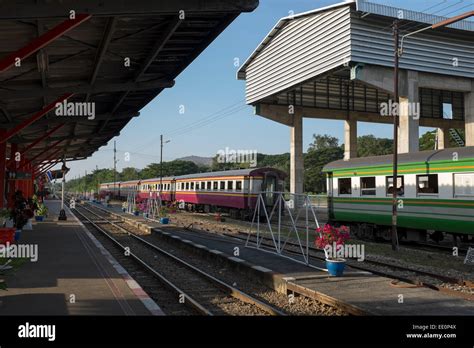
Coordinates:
396 34
161 163
115 165
97 180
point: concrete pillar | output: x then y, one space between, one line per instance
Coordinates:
443 138
409 131
350 138
469 116
3 160
296 154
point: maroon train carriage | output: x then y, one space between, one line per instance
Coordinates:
232 191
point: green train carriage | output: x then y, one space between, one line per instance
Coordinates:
435 189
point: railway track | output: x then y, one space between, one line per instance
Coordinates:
191 286
409 275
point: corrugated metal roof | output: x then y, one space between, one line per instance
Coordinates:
404 158
280 24
421 17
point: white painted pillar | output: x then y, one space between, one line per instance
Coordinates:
296 154
350 138
443 138
409 131
469 116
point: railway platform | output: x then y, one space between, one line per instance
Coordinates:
357 292
72 275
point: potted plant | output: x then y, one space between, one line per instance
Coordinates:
41 212
4 216
164 215
136 210
332 239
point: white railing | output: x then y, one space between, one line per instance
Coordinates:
281 217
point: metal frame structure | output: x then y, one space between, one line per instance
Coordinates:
273 223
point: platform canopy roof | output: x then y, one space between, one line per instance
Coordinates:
114 55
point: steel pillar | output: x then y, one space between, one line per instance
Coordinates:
12 165
3 157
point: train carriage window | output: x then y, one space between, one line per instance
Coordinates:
222 185
230 184
209 185
427 184
345 186
464 184
214 187
367 186
187 186
238 185
203 185
400 185
192 185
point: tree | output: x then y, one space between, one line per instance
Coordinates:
368 145
428 141
323 142
323 150
129 173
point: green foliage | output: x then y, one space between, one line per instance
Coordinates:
368 145
428 141
42 210
323 150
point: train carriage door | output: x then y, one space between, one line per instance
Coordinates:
330 192
172 190
269 187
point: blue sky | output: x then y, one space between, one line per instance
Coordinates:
209 85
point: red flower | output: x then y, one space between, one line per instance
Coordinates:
328 235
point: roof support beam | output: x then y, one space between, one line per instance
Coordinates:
42 153
277 113
37 141
42 40
52 155
84 88
156 49
34 118
32 9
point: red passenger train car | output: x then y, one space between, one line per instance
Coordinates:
232 191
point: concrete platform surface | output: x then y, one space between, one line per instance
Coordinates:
72 275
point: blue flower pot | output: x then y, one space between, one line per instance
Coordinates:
39 218
124 210
17 235
335 267
136 213
164 221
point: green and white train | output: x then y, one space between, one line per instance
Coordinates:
435 189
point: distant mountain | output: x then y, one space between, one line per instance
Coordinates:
206 161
